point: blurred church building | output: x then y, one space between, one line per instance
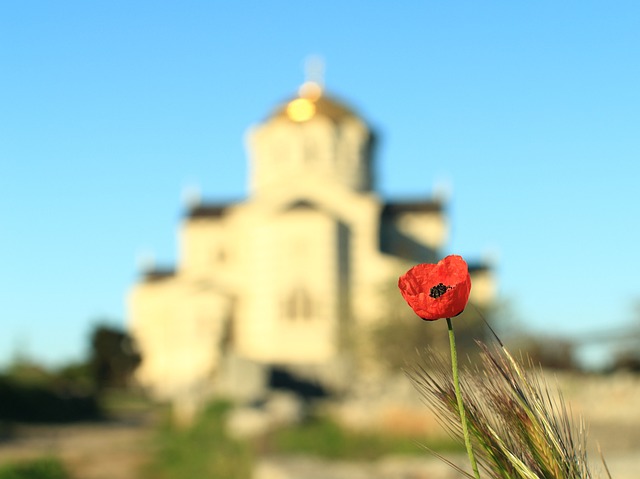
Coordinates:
292 276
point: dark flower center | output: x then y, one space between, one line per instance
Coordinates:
438 290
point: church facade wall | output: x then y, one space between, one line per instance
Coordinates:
293 276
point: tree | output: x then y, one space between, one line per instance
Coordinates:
113 357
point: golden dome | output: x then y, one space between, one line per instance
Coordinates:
312 101
300 109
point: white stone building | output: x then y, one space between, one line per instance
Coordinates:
294 274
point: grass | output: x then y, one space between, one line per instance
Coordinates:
324 438
203 450
43 468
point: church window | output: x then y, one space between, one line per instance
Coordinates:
298 305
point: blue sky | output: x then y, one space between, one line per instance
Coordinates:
529 111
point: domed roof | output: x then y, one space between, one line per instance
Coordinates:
311 101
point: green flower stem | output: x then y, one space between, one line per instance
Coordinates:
456 384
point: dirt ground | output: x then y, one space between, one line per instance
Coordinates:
107 450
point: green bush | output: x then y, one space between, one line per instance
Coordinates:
44 468
30 401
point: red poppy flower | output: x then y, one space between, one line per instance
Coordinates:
436 291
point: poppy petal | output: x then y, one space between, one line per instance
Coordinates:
436 291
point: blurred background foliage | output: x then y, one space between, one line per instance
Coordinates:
32 393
